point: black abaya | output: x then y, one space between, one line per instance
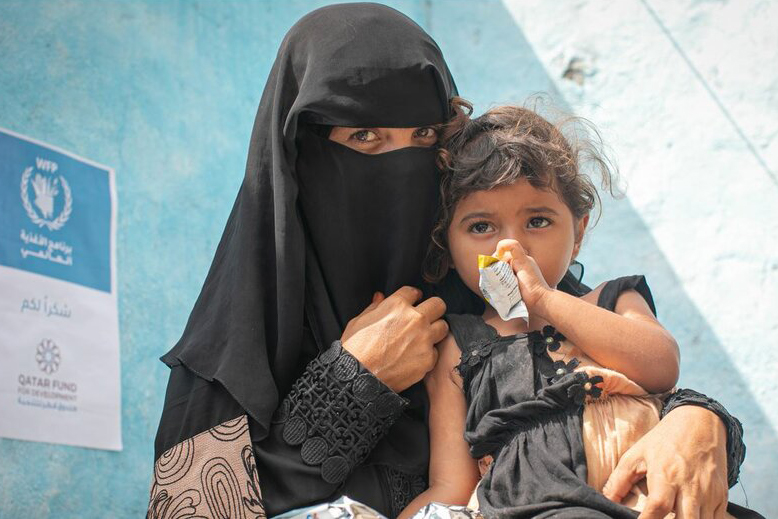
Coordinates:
316 229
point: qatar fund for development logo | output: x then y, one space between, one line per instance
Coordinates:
43 391
47 356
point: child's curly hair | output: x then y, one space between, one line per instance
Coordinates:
506 144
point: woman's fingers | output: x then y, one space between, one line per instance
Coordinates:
660 501
628 471
377 298
408 294
438 330
687 506
702 497
716 504
684 462
395 339
432 308
720 512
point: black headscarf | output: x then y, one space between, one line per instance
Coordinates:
316 227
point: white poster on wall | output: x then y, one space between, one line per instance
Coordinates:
59 330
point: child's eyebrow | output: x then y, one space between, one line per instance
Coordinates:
477 214
539 209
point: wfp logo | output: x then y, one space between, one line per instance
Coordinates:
46 188
47 356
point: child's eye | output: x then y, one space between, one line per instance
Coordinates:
538 222
480 228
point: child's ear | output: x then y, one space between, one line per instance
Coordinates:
580 229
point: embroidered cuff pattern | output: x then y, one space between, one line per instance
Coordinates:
336 412
403 488
736 449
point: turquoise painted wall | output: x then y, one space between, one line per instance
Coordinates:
165 93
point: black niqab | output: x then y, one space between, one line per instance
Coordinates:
316 227
368 220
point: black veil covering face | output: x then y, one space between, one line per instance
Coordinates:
317 227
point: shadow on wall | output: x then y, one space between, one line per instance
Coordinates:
494 64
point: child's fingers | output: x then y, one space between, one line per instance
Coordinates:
505 246
511 248
526 264
515 266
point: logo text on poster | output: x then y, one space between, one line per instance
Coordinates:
43 391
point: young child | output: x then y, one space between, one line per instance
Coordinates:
547 407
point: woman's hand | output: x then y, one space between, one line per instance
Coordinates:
532 285
396 340
684 461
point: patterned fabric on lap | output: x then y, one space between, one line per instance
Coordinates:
213 474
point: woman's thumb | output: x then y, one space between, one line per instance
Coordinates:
628 471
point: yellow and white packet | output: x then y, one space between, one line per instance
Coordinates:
500 288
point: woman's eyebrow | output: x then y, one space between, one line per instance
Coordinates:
478 214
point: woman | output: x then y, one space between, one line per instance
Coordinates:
284 386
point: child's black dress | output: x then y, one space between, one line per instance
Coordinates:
525 410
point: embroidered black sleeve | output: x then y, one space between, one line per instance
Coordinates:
736 449
336 412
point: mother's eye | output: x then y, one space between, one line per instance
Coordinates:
538 222
364 136
426 132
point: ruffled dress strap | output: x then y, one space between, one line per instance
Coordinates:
469 330
610 293
474 338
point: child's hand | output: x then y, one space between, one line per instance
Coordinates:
532 285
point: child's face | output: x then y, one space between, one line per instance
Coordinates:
539 220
